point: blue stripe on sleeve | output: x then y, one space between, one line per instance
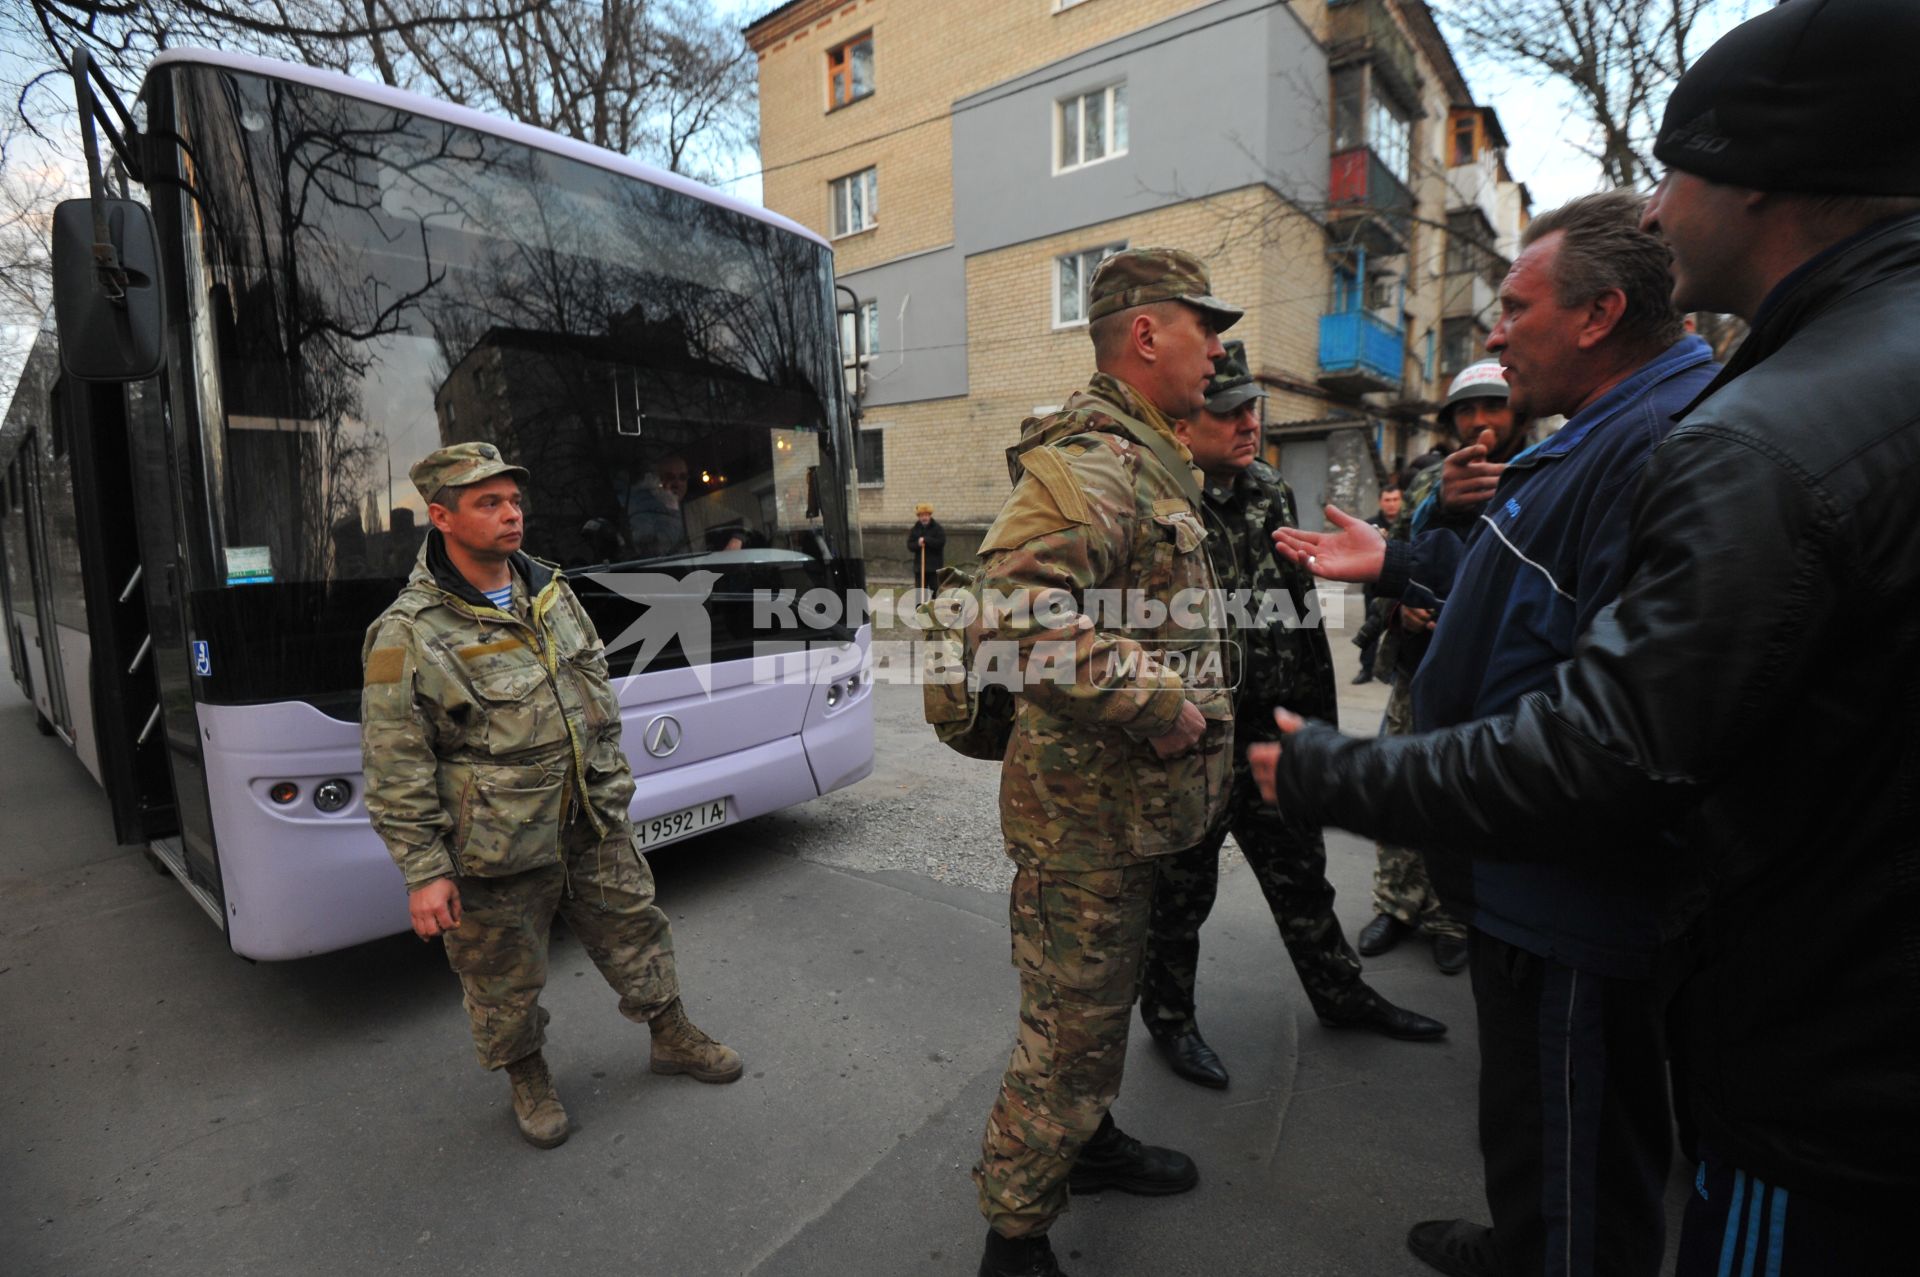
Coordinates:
1752 1240
1777 1238
1732 1234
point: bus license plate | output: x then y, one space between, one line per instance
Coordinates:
680 824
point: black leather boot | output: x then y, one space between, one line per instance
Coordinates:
1019 1257
1114 1159
1191 1057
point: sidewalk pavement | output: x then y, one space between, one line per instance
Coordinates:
171 1108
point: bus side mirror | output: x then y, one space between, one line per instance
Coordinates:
106 291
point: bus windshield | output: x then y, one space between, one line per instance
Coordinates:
371 284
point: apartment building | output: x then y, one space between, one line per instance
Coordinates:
973 160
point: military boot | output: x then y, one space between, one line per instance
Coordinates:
536 1109
679 1047
1019 1257
1114 1159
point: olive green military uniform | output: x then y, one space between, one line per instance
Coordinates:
491 743
1281 660
1086 805
1401 888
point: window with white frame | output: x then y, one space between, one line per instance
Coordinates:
1059 5
1072 276
870 455
1390 132
1090 127
856 201
859 333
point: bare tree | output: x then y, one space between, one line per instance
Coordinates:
29 187
1619 58
663 80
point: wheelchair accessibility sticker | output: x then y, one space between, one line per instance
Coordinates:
202 660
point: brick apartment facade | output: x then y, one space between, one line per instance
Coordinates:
971 159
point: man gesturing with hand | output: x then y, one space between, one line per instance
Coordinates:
1561 955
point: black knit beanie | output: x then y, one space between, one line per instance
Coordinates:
1817 96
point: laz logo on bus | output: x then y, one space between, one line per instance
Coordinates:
202 658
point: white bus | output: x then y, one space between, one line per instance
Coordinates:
205 466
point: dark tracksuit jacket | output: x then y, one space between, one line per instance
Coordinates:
1548 552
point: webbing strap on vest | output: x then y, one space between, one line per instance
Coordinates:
1152 440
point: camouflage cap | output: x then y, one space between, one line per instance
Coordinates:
1232 383
1142 276
459 464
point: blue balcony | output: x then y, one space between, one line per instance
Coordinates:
1360 353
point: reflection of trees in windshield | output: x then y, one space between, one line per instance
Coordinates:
601 369
303 293
601 330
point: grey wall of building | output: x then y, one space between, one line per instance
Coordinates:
1218 98
923 327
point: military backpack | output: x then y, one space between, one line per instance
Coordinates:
967 713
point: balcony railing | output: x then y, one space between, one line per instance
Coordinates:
1360 353
1360 185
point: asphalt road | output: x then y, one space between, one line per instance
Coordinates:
170 1108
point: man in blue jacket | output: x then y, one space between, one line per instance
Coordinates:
1723 699
1574 1119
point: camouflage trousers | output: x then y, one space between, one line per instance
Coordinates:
1401 888
1077 939
1290 864
604 890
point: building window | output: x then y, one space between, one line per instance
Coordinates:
870 455
1390 134
1061 5
1072 276
1091 127
1349 117
1383 292
1461 343
1463 243
1469 251
856 202
1463 138
859 333
850 71
1371 118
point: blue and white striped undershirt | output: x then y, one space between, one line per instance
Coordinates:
501 598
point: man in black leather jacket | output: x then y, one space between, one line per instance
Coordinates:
1722 699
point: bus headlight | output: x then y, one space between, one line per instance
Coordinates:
332 795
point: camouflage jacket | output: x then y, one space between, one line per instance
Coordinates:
480 729
1093 510
1279 659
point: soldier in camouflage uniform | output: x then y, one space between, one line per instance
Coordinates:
494 773
1120 741
1475 412
1281 658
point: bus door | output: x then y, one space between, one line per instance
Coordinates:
47 636
123 651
